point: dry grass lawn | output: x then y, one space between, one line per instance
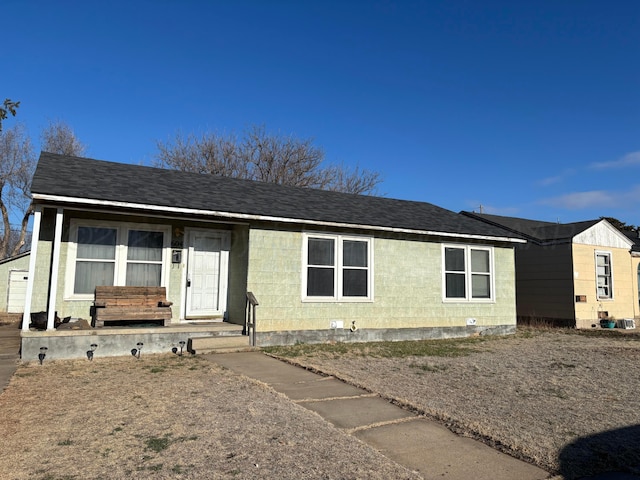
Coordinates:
543 396
166 416
565 400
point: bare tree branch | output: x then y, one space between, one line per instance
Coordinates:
264 157
58 137
17 164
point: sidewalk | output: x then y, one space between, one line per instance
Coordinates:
415 442
9 352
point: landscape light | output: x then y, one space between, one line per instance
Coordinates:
42 354
181 343
92 348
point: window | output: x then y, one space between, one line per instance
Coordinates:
336 268
95 258
603 275
144 258
114 254
468 273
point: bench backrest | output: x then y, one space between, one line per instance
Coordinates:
130 296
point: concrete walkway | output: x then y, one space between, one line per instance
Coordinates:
9 352
410 440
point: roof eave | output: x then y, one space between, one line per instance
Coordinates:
60 199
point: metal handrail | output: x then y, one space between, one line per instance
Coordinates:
250 318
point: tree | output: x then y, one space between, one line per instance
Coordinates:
264 157
620 225
58 137
17 164
8 107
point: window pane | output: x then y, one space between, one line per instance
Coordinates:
354 253
480 286
94 242
455 285
354 283
320 282
144 274
321 251
603 272
145 246
480 261
454 259
90 274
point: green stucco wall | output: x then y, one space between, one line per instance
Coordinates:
407 288
267 260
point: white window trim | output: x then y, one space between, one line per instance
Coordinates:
595 259
338 268
122 231
468 274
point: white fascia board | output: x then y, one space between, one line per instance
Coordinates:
265 218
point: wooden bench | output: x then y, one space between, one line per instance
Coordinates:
130 304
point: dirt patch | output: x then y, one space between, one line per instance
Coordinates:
564 401
166 416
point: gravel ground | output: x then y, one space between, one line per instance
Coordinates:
565 401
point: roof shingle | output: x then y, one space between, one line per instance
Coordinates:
83 178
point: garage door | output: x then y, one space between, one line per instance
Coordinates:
17 290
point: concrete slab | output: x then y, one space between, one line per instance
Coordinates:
318 389
357 412
264 368
9 352
418 444
7 369
436 452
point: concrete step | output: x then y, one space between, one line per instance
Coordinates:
219 343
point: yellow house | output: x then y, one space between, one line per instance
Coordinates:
323 266
573 274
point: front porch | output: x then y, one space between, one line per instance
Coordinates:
119 341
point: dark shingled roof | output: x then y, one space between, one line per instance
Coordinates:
634 236
119 182
536 230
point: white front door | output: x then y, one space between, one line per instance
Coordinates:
207 273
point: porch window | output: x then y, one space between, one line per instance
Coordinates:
468 273
603 275
95 259
144 258
337 268
115 254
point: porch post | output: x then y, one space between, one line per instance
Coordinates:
35 235
55 267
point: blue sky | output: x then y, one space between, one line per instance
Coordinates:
528 108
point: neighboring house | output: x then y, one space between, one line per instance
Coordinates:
634 236
13 281
324 266
572 274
